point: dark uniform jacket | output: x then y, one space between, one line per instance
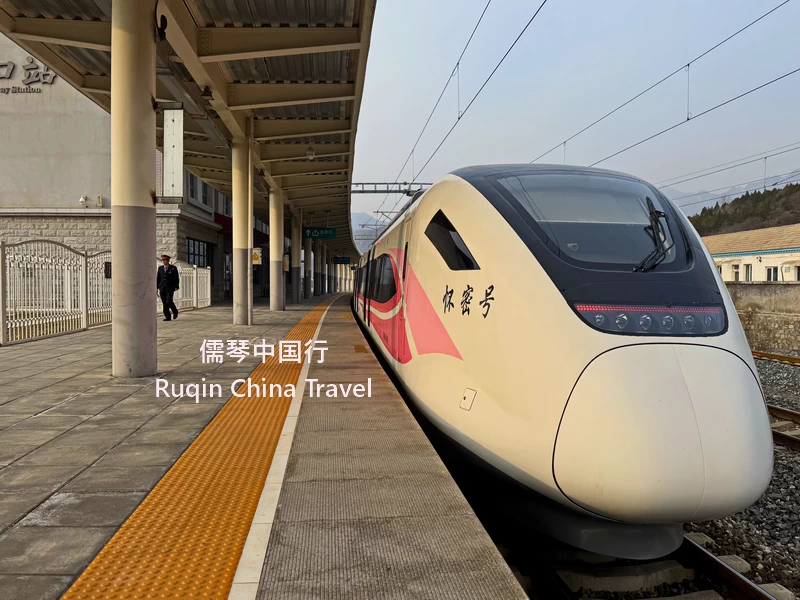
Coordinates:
169 279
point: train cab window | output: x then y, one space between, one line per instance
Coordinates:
385 289
449 243
597 220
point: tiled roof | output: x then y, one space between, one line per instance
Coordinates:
770 238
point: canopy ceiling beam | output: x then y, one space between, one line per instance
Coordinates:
249 96
244 43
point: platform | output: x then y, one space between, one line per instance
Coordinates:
267 498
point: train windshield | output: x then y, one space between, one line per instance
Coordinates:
597 218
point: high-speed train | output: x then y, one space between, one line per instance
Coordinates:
567 327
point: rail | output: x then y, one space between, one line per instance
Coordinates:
48 288
787 360
781 434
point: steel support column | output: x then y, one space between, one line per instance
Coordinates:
133 176
296 248
277 294
307 268
242 180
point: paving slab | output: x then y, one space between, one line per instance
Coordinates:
50 550
116 479
34 586
72 509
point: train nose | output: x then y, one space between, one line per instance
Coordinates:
659 433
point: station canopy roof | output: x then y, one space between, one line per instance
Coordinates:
296 66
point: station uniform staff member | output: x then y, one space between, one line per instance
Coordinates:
167 282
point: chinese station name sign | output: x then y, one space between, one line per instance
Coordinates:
31 73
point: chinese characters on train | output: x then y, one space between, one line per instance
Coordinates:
32 73
214 351
485 305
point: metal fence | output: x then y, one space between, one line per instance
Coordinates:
48 288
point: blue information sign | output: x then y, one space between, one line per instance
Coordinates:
341 260
320 233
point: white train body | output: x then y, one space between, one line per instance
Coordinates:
517 353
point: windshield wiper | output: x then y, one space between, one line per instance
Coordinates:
659 238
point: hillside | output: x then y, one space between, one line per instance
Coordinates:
753 210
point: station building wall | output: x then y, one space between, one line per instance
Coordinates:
55 143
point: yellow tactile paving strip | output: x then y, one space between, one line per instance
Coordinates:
185 539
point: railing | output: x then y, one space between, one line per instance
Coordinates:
48 288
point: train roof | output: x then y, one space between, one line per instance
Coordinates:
479 171
475 172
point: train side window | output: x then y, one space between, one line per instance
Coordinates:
386 288
449 243
373 278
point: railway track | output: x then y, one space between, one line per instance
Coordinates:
691 573
785 423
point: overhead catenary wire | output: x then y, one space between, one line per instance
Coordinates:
739 164
671 180
731 186
792 178
697 116
662 80
438 100
478 93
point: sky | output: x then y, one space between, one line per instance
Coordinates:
578 60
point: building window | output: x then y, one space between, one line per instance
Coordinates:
798 273
205 187
192 187
748 272
772 273
719 268
735 272
199 253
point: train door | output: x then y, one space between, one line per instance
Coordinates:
368 288
399 329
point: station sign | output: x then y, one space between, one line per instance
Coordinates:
341 260
31 73
320 233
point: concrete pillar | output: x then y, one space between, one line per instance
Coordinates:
250 226
295 266
317 268
277 294
242 180
323 266
307 260
336 269
133 177
331 289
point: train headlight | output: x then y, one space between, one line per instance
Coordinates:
655 320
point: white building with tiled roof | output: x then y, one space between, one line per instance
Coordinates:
770 254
